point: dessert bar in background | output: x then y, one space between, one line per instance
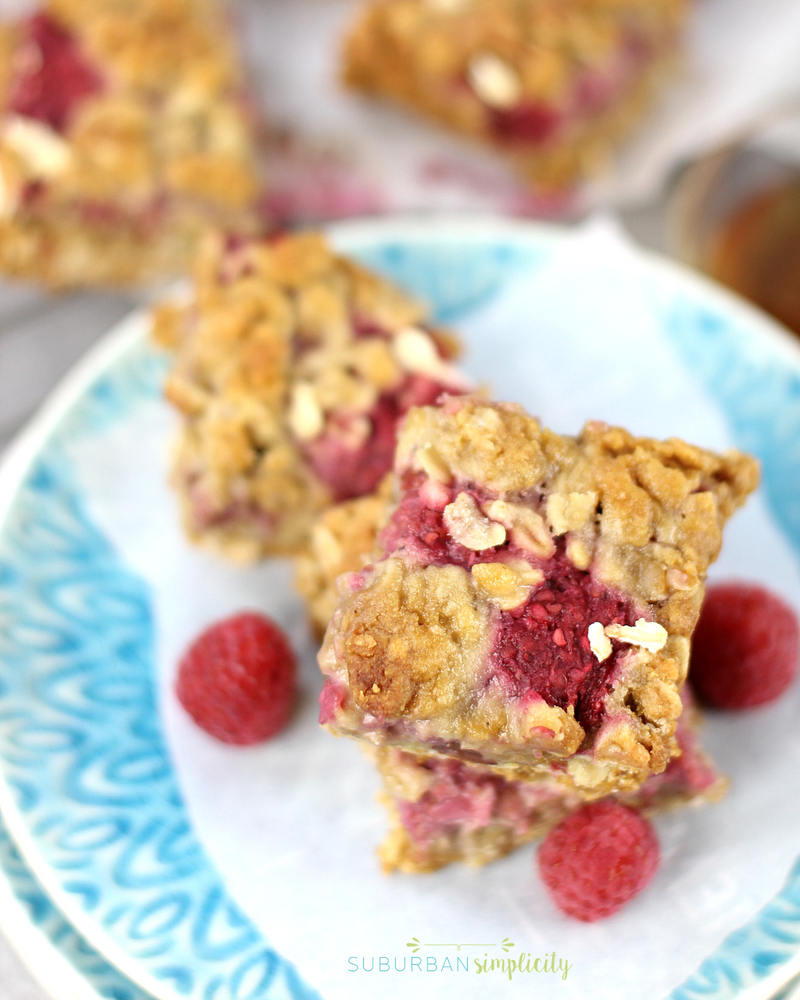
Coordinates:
553 85
342 540
125 131
534 597
293 366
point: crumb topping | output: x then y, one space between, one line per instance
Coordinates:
124 135
288 379
551 84
468 526
587 602
599 642
413 640
342 540
650 635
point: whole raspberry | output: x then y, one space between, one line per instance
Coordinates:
746 647
237 679
597 859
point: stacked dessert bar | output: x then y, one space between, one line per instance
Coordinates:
443 809
293 366
553 84
124 133
518 643
509 611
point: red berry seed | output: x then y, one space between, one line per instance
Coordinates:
237 680
746 647
597 859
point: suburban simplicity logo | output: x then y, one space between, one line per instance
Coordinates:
502 959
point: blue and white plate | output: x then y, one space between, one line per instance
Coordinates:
202 871
60 958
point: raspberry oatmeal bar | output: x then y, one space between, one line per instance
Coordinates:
341 541
535 596
551 84
293 366
124 132
444 810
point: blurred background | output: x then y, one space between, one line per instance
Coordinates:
708 173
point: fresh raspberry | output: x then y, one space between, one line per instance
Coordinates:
746 647
355 470
237 679
597 859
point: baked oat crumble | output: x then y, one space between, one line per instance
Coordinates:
493 646
291 372
125 131
444 810
552 85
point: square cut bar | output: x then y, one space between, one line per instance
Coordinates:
535 595
444 810
293 366
124 133
553 85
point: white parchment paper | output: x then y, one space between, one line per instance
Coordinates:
292 825
351 155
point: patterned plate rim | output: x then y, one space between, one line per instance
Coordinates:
47 964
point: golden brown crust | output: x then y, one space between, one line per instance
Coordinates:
342 540
458 61
269 361
156 45
498 445
645 517
420 645
143 166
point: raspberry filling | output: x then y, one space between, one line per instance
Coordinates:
365 327
530 122
460 798
535 122
417 526
356 451
55 77
541 647
332 699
